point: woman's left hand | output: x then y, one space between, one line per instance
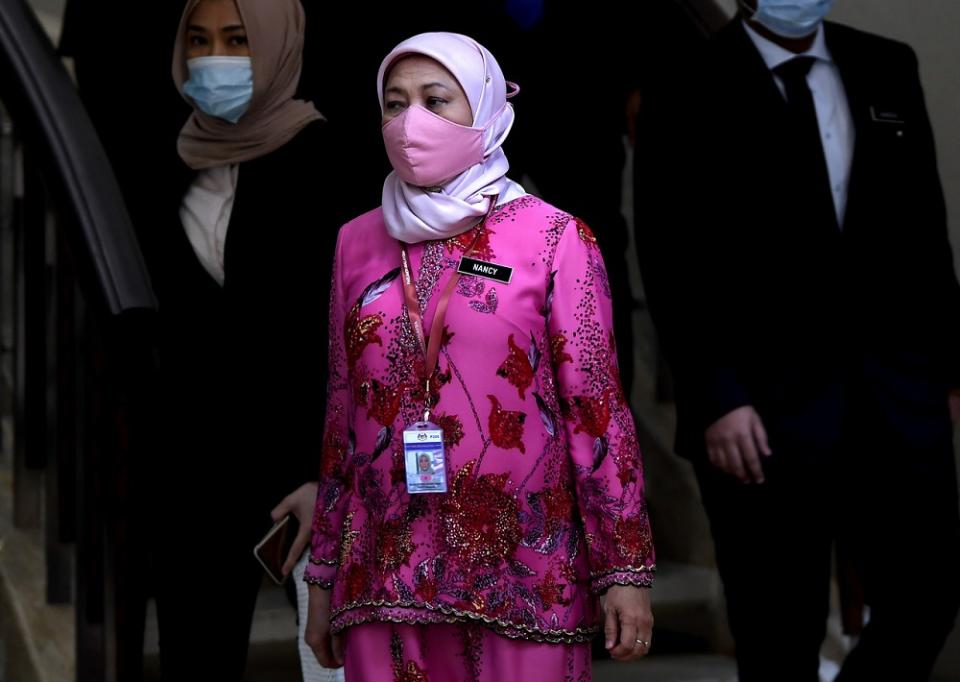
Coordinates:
627 622
301 503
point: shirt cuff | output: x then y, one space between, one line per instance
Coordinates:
320 573
629 577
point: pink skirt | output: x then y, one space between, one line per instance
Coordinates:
388 652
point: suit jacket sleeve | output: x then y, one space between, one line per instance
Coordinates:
928 192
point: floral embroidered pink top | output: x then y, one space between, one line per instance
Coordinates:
545 507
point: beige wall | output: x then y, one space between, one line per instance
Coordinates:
930 28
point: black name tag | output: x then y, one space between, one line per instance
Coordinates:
479 268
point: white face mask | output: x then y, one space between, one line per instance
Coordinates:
789 18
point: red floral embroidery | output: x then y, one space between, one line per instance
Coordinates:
481 249
480 519
568 572
394 545
452 429
360 333
558 344
618 394
410 673
356 582
627 459
506 427
333 453
550 591
593 414
447 337
632 536
440 379
398 470
320 520
586 234
360 384
516 368
404 672
385 403
558 507
427 590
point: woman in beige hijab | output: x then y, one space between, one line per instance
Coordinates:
242 270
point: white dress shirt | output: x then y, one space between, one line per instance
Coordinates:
205 214
833 109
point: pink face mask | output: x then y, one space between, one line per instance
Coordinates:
426 149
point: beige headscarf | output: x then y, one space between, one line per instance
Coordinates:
275 33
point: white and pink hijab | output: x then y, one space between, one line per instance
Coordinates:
415 214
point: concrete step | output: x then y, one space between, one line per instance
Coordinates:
691 668
688 609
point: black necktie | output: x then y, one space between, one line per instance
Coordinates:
803 115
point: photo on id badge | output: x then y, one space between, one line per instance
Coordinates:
424 458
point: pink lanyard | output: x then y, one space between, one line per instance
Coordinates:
431 348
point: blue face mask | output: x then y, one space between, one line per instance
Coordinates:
790 18
220 86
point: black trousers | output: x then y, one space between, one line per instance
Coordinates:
211 510
892 501
205 610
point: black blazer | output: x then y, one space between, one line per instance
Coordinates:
758 297
244 365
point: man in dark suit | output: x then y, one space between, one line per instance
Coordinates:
794 248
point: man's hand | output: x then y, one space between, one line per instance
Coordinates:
736 442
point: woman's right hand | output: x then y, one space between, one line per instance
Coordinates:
328 648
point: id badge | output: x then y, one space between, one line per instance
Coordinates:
424 458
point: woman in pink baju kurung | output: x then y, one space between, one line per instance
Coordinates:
499 577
